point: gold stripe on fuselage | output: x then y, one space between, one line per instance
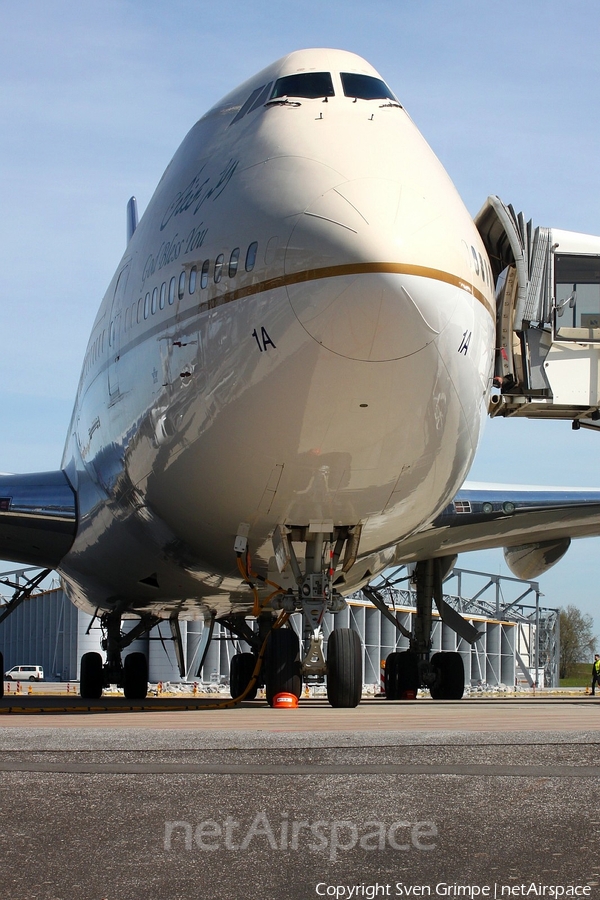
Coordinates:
366 268
259 287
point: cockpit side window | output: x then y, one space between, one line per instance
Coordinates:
262 97
246 106
308 84
365 87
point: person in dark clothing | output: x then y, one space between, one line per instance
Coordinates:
595 673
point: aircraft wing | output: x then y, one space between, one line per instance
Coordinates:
38 518
534 525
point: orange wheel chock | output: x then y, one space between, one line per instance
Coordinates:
285 701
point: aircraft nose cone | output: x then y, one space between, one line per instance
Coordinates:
361 298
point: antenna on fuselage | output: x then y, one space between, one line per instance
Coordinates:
132 217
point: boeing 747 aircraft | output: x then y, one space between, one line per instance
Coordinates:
285 384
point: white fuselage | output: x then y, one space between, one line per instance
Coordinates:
342 377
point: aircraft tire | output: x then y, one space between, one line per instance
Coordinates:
91 680
401 674
240 672
344 668
3 678
451 676
135 676
282 664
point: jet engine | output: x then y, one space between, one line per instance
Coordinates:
530 560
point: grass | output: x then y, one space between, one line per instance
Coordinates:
581 676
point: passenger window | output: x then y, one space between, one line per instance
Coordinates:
147 305
111 334
233 262
192 284
139 310
481 266
474 254
163 294
181 289
219 267
365 87
127 313
172 291
308 84
251 256
204 273
154 300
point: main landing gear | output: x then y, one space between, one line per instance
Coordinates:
131 673
286 663
408 670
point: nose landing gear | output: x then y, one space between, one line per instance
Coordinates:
315 595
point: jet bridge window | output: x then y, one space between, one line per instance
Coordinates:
577 285
309 84
365 87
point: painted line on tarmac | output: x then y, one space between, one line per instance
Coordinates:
344 769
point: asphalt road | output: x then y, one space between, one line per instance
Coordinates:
335 803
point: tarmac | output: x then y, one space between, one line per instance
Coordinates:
479 798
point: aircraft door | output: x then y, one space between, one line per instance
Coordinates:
114 332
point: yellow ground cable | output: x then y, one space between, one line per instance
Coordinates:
244 574
258 606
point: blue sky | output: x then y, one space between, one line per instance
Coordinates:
95 97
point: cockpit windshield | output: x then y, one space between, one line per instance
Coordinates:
308 84
365 87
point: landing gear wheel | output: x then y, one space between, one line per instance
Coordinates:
240 672
282 664
135 676
91 680
401 675
344 668
450 681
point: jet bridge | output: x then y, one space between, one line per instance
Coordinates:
547 362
